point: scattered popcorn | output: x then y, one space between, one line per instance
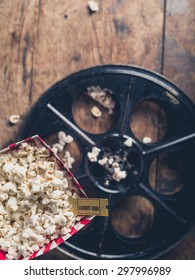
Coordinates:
68 159
93 6
34 206
64 139
115 164
69 139
93 155
103 97
62 136
103 161
95 111
109 163
14 119
106 183
147 140
128 142
118 174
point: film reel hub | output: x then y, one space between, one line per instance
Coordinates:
115 156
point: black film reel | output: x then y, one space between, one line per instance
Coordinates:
162 215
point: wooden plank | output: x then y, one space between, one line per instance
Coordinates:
179 67
179 55
17 49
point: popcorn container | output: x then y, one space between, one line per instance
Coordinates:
38 142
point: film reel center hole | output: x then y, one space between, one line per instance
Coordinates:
149 119
133 157
97 170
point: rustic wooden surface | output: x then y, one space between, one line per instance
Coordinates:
44 40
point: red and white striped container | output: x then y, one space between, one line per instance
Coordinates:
78 225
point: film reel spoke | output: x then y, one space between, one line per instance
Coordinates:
126 110
81 176
161 203
165 147
70 124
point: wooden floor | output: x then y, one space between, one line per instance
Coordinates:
44 40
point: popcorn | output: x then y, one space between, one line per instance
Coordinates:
11 232
107 162
58 147
56 194
64 230
93 6
7 187
115 165
64 139
60 220
50 230
103 161
12 204
128 142
5 244
118 174
96 112
7 167
93 155
13 253
62 136
147 140
24 250
110 161
36 188
45 201
14 119
69 139
20 171
75 195
35 247
2 210
34 207
103 97
68 159
46 165
39 229
34 220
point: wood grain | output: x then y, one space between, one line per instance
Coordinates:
179 67
18 20
179 52
43 40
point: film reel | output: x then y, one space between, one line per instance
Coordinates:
148 214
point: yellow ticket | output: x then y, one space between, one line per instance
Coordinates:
89 206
